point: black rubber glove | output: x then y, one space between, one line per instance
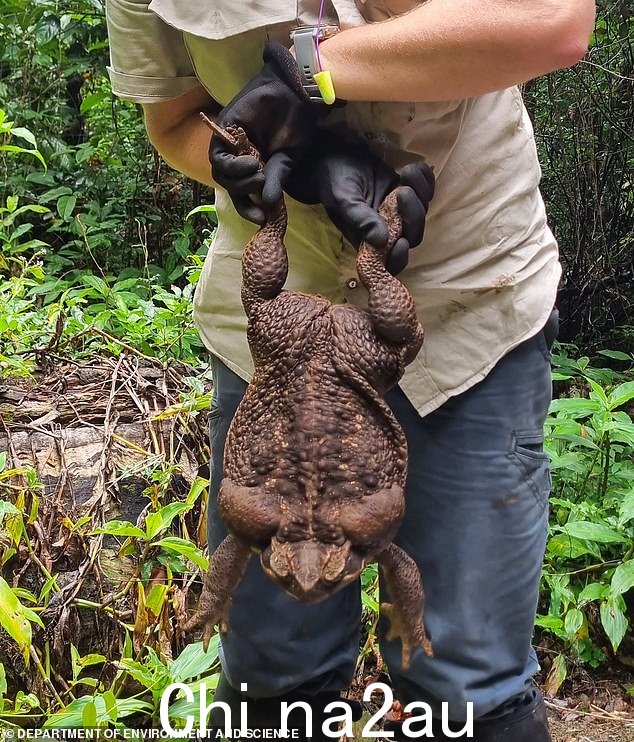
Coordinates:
276 114
351 183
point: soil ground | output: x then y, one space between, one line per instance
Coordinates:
565 727
589 707
589 727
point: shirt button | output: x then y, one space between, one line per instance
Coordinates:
352 283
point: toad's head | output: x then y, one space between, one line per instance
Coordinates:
310 570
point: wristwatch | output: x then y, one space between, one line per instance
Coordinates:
305 40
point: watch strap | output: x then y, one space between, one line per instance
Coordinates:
305 41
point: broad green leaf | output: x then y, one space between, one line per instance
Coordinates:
182 708
184 548
621 394
126 654
90 682
3 683
569 547
110 701
194 661
593 532
90 100
592 591
156 597
598 392
369 602
89 715
74 656
614 622
32 208
139 672
13 619
7 508
54 193
33 617
34 270
91 659
203 209
12 205
66 205
15 148
121 528
71 717
623 578
618 355
20 131
573 621
153 524
198 486
626 511
549 622
169 512
96 283
127 283
171 562
575 406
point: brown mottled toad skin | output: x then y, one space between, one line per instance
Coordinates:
315 462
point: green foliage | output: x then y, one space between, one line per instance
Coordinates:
8 130
584 126
107 201
16 618
108 702
589 559
41 313
168 549
106 708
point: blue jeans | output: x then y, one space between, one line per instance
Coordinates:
475 522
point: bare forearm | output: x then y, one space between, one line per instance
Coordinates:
186 151
180 136
449 49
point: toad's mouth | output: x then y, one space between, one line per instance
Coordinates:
310 570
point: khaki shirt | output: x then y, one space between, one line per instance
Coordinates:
484 278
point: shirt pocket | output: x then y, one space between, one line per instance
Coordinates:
401 133
220 20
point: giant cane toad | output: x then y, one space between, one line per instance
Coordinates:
315 461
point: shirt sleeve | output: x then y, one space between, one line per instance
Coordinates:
149 62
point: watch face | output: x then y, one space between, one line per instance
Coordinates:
328 30
320 32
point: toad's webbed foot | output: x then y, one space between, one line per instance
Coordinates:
227 566
406 610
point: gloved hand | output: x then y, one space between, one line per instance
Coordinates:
351 183
276 114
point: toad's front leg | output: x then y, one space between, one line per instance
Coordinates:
226 569
405 612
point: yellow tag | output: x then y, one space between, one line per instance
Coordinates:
326 88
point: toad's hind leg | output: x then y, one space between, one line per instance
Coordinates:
265 261
391 306
405 612
226 569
